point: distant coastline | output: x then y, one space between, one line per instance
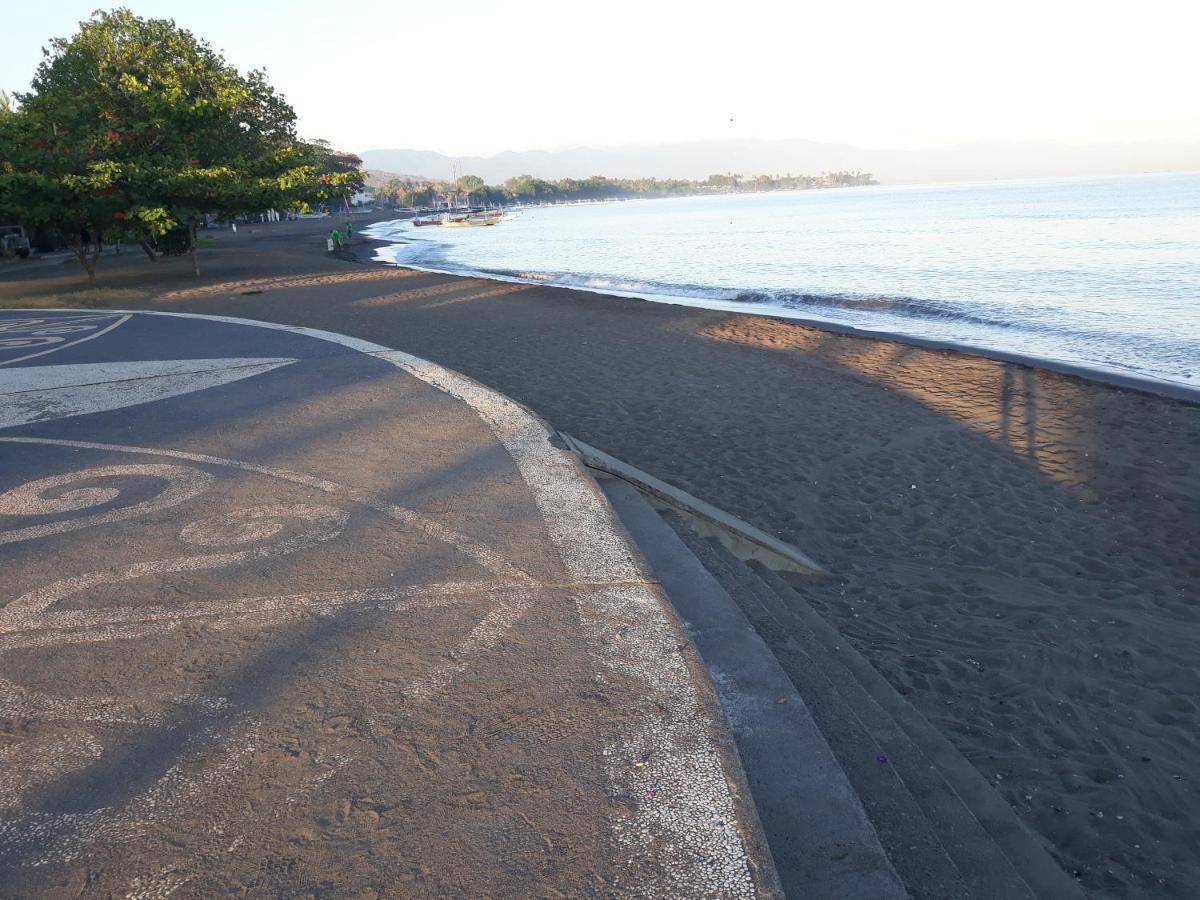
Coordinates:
526 189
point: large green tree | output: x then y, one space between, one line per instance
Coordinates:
468 185
136 126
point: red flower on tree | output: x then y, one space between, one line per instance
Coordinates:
119 215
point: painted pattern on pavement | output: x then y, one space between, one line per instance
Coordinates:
209 517
28 337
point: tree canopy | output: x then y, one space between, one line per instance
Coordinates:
135 127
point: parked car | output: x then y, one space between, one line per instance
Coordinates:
13 241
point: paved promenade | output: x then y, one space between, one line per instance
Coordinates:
288 613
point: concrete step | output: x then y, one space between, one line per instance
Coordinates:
997 854
864 740
821 839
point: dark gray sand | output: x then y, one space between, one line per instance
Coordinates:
1017 551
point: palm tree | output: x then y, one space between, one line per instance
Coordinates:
7 103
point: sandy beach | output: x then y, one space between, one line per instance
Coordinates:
1017 551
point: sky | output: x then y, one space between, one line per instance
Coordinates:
473 77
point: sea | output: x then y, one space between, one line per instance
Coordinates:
1102 273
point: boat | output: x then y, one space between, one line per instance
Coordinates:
470 220
417 223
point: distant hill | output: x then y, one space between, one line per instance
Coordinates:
692 160
978 160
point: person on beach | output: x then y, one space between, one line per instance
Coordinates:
337 238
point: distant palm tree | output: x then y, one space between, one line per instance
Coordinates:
7 103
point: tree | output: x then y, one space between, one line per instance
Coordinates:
343 170
137 126
390 190
422 194
468 185
526 187
44 183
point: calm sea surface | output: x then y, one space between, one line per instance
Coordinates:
1103 272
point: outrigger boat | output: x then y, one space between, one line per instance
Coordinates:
470 220
459 217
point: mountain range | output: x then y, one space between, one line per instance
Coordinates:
974 161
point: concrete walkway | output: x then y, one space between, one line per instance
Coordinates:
289 613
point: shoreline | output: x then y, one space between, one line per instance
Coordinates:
1013 549
1143 383
1113 377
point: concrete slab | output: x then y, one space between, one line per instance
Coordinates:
738 536
822 841
287 612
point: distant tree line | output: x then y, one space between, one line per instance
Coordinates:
528 189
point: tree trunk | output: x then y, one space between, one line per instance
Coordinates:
192 249
88 262
149 250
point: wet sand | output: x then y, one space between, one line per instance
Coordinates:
1016 550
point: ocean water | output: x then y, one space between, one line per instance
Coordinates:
1103 272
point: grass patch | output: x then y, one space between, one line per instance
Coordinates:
89 298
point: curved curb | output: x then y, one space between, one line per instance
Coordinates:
682 714
774 552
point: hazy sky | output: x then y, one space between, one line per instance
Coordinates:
467 76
